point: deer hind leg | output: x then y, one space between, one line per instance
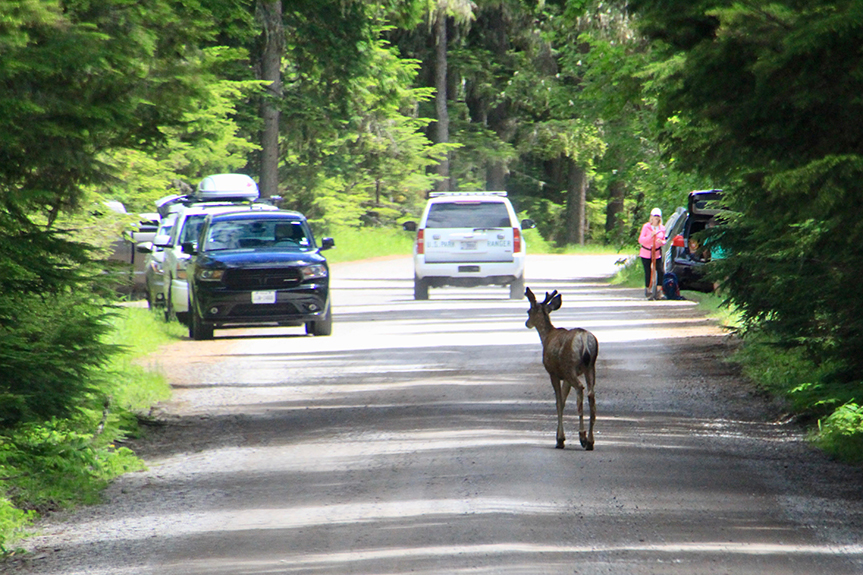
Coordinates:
582 434
561 391
590 380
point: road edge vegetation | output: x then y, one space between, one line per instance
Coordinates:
63 462
830 410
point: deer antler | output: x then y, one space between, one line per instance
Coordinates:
549 296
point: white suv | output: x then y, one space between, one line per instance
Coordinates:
469 239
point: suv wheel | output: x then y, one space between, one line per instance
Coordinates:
321 327
200 329
516 289
421 289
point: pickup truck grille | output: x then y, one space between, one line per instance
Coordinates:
262 278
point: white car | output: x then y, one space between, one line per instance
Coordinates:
223 193
154 275
469 239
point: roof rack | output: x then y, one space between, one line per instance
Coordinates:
439 194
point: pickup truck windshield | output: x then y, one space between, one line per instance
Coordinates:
242 234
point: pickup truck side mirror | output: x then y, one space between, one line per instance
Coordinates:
190 248
527 224
327 243
409 226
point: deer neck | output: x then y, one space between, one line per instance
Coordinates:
544 327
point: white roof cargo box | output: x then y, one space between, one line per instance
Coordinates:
224 187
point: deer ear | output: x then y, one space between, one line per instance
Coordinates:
531 298
555 302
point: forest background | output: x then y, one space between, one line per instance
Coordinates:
587 113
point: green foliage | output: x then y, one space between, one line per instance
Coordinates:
841 433
806 383
353 146
765 98
64 101
51 320
49 347
209 141
13 521
59 463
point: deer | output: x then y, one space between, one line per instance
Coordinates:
566 354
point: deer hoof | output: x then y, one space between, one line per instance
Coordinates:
585 442
559 444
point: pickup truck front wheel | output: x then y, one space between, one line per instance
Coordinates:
198 328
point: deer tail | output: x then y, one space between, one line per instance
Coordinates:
590 351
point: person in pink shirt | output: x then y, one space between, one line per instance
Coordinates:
652 236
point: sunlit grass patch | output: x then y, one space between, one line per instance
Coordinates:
357 244
138 332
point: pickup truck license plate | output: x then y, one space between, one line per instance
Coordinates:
263 297
468 245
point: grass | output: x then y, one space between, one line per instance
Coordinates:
353 244
138 331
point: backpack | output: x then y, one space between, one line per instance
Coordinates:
670 287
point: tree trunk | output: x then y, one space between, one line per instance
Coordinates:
271 71
495 176
576 199
614 211
441 96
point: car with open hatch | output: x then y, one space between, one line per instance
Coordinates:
257 268
469 239
683 255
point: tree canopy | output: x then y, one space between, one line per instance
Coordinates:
764 97
587 112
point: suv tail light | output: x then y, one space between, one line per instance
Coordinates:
516 240
421 242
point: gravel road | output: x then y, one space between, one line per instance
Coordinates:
419 438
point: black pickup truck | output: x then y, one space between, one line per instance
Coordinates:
255 269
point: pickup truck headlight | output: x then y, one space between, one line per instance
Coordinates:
314 271
209 275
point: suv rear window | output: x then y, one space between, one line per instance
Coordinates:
468 215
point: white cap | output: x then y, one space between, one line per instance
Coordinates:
656 212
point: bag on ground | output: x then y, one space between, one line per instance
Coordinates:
670 287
